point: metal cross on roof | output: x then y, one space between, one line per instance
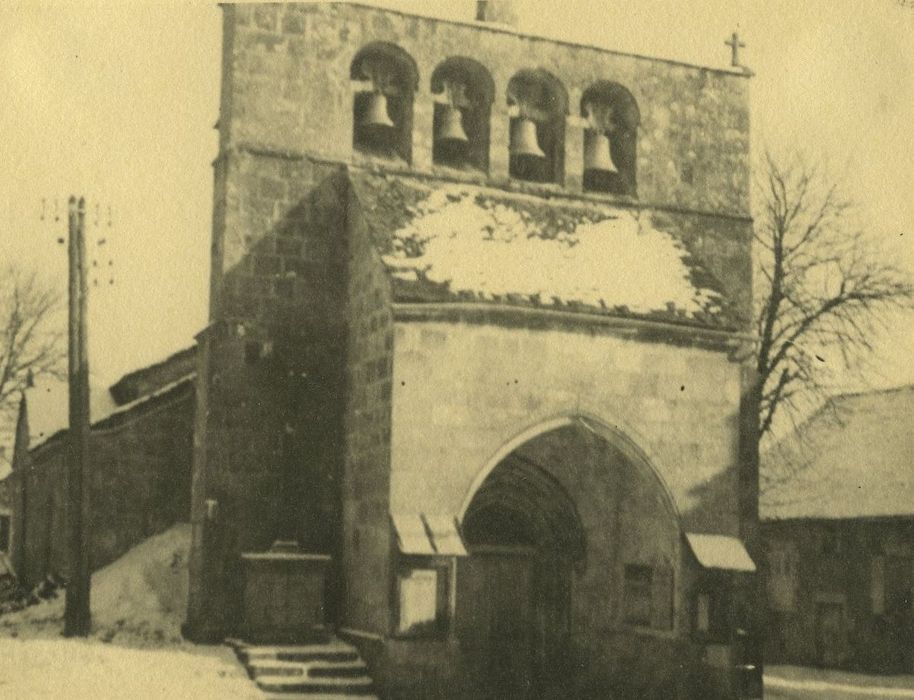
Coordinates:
735 45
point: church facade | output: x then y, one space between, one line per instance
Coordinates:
473 390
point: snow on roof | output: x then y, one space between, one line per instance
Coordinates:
52 411
131 385
853 459
49 409
460 241
720 552
161 391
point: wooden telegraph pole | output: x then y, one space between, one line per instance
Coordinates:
77 616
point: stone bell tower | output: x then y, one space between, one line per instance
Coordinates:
471 289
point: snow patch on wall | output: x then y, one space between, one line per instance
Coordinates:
613 259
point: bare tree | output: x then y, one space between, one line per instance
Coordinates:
824 289
32 344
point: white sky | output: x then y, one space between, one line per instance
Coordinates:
118 102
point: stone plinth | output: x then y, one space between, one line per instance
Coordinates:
284 595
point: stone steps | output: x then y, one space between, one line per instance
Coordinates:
315 671
345 686
316 696
334 651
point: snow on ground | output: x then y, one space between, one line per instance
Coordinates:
796 683
66 668
135 651
488 248
138 600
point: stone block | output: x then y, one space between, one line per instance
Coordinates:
271 189
265 16
284 595
294 22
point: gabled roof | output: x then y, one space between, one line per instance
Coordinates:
854 458
48 401
135 384
53 421
464 242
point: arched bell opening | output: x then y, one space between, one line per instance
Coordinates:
538 104
611 119
463 92
382 108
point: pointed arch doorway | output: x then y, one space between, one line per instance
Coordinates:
573 539
525 540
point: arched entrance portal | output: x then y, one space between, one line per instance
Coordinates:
525 538
551 530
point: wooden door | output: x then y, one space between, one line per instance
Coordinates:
552 620
495 619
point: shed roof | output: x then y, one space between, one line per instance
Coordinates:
854 458
720 552
432 533
48 409
464 242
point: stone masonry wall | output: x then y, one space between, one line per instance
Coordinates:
464 392
291 92
475 387
366 485
270 449
140 478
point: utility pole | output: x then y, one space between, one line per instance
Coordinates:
77 615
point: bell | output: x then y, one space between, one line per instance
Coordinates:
597 154
523 139
450 127
375 115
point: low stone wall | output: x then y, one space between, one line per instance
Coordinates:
140 477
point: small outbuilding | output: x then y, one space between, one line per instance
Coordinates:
837 510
